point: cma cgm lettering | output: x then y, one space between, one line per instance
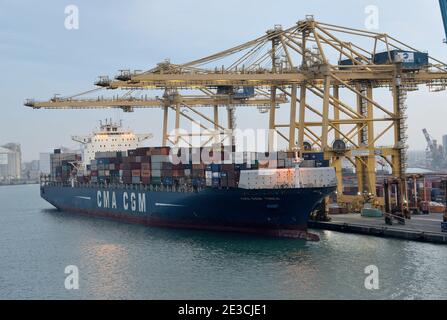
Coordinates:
131 201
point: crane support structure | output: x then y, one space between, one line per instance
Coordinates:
324 77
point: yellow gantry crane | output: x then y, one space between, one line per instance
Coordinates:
324 76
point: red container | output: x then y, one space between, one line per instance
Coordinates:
200 166
167 173
178 173
436 185
166 166
228 167
198 173
178 167
227 182
125 166
136 173
146 173
127 173
160 151
135 166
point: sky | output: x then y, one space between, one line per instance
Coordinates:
39 57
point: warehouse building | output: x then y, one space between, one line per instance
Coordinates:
10 161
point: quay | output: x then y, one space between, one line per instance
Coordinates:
425 228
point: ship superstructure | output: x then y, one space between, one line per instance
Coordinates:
109 137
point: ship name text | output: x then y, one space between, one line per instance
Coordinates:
129 201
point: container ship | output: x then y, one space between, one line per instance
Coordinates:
207 188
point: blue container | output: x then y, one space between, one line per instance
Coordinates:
349 62
169 181
224 90
198 182
314 156
103 161
444 226
242 166
322 164
436 193
409 59
245 92
215 168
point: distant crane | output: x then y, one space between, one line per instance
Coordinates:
435 155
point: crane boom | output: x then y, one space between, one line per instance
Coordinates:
130 103
429 140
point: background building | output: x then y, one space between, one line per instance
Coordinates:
30 171
10 161
444 144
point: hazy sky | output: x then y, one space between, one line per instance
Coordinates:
40 57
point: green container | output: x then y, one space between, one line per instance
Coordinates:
156 180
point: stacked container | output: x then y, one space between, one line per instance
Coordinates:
61 165
214 167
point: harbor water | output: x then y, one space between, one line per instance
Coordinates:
123 261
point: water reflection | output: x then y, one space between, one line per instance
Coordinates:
131 261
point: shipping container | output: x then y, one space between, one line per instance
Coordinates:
215 182
198 182
136 173
409 59
146 173
317 156
156 173
167 181
136 180
155 180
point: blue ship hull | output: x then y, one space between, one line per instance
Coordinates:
278 212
